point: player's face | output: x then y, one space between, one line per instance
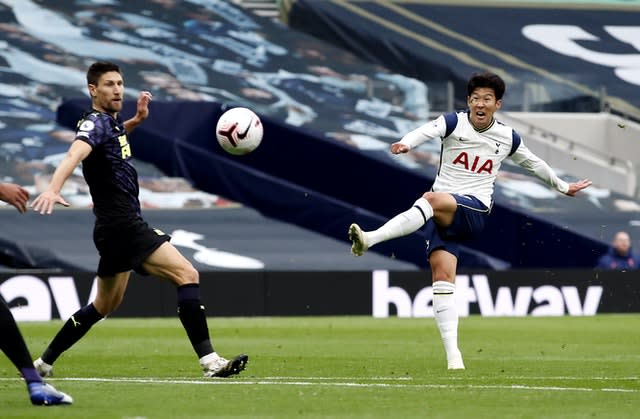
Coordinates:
107 95
482 105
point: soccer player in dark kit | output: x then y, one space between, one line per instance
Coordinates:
124 240
11 341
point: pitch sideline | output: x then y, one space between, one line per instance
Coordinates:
394 382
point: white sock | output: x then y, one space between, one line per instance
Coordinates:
402 224
446 315
209 358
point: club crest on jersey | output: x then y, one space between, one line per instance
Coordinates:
474 165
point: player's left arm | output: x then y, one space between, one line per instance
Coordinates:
576 187
142 111
538 167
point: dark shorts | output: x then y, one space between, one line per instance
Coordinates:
126 245
469 220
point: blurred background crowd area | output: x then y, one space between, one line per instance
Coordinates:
357 73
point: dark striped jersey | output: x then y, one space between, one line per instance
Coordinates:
112 180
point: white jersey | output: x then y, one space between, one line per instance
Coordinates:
470 159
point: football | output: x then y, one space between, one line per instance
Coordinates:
239 131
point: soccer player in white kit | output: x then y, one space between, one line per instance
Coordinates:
456 208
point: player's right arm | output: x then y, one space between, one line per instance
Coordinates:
45 202
432 129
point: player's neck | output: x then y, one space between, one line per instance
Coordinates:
99 109
483 127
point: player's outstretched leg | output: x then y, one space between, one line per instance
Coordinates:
71 332
358 239
402 224
43 394
214 365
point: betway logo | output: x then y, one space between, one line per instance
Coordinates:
545 300
37 300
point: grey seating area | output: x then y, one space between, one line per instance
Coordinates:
236 238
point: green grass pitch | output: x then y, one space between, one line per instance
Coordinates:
567 367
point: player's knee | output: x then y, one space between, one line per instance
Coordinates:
443 275
443 266
431 198
436 197
106 306
190 275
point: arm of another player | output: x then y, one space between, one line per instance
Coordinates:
45 202
15 195
142 112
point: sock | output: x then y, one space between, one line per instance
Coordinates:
193 319
13 345
72 331
209 358
30 375
402 224
446 315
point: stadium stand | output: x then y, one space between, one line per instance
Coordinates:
263 8
537 47
232 239
537 52
328 116
574 153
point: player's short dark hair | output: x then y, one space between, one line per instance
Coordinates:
97 69
489 80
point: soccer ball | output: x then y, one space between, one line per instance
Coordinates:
239 131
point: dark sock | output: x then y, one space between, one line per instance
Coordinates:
193 318
74 329
13 345
30 375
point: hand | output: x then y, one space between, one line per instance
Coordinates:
397 148
142 108
46 200
15 195
578 186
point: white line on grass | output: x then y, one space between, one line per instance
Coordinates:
527 377
308 382
341 378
